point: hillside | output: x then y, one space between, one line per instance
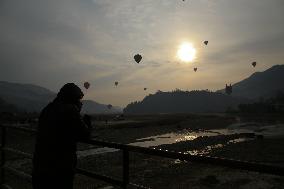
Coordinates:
260 84
25 96
33 98
183 102
93 107
6 107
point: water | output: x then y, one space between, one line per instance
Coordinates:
276 130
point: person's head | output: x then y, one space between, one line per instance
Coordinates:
70 93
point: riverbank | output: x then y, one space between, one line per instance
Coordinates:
213 135
167 173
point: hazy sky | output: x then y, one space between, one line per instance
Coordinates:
52 42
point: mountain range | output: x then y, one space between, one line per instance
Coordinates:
33 98
6 107
260 84
264 84
183 102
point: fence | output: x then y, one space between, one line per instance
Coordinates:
126 149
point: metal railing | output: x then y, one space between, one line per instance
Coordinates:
231 163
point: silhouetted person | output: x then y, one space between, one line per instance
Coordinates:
60 127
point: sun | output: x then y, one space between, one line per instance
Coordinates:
186 52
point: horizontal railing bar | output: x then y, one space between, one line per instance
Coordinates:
19 173
27 155
101 177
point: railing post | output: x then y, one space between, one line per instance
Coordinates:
125 168
3 158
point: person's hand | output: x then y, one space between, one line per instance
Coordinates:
88 120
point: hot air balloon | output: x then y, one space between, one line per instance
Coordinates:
195 69
116 83
205 42
145 89
229 89
86 85
138 58
253 64
109 106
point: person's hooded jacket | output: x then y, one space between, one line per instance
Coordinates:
60 128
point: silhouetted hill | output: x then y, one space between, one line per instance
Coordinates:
184 101
261 84
25 96
33 98
269 105
93 107
6 107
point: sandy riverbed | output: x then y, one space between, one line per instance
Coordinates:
158 172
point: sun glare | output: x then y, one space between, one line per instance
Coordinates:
186 52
